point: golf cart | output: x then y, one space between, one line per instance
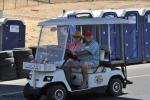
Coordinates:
47 76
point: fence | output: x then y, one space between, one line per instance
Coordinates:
64 1
11 4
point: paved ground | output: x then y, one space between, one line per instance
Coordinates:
140 90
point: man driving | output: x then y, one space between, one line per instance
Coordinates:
88 57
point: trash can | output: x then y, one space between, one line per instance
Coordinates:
12 33
133 37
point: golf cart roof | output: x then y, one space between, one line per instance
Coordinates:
85 21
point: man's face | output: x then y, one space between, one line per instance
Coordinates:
89 38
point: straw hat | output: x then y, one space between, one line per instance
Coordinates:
77 34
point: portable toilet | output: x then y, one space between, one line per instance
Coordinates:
114 35
12 33
82 29
132 36
146 35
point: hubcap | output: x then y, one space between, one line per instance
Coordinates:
59 94
116 87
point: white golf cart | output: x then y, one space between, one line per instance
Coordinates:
47 76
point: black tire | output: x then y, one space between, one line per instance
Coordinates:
21 52
7 61
30 95
21 73
115 87
56 92
8 72
33 50
33 97
6 54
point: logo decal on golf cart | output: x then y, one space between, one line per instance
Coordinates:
98 79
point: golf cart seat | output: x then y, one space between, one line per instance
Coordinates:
93 69
108 62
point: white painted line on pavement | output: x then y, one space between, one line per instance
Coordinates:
139 76
20 82
141 66
12 93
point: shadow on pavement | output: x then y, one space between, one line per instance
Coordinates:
14 92
99 97
10 88
11 92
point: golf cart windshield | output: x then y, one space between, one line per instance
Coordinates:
52 45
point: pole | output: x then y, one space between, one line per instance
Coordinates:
15 4
81 29
34 73
3 5
27 2
38 2
109 46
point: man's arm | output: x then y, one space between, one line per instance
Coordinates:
83 53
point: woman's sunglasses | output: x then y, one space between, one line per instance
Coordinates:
76 37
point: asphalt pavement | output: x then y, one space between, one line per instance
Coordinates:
139 90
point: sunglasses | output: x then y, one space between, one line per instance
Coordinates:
76 37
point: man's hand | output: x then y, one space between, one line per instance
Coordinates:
83 53
75 55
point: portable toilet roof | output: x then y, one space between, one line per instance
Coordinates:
4 20
107 11
97 13
120 12
140 11
145 10
74 12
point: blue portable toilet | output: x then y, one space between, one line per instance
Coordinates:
12 33
114 35
146 35
132 37
81 14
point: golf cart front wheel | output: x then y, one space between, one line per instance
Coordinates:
115 87
31 93
56 92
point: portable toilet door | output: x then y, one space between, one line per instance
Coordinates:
82 29
132 37
114 35
146 33
13 34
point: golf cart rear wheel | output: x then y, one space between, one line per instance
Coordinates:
115 87
56 92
